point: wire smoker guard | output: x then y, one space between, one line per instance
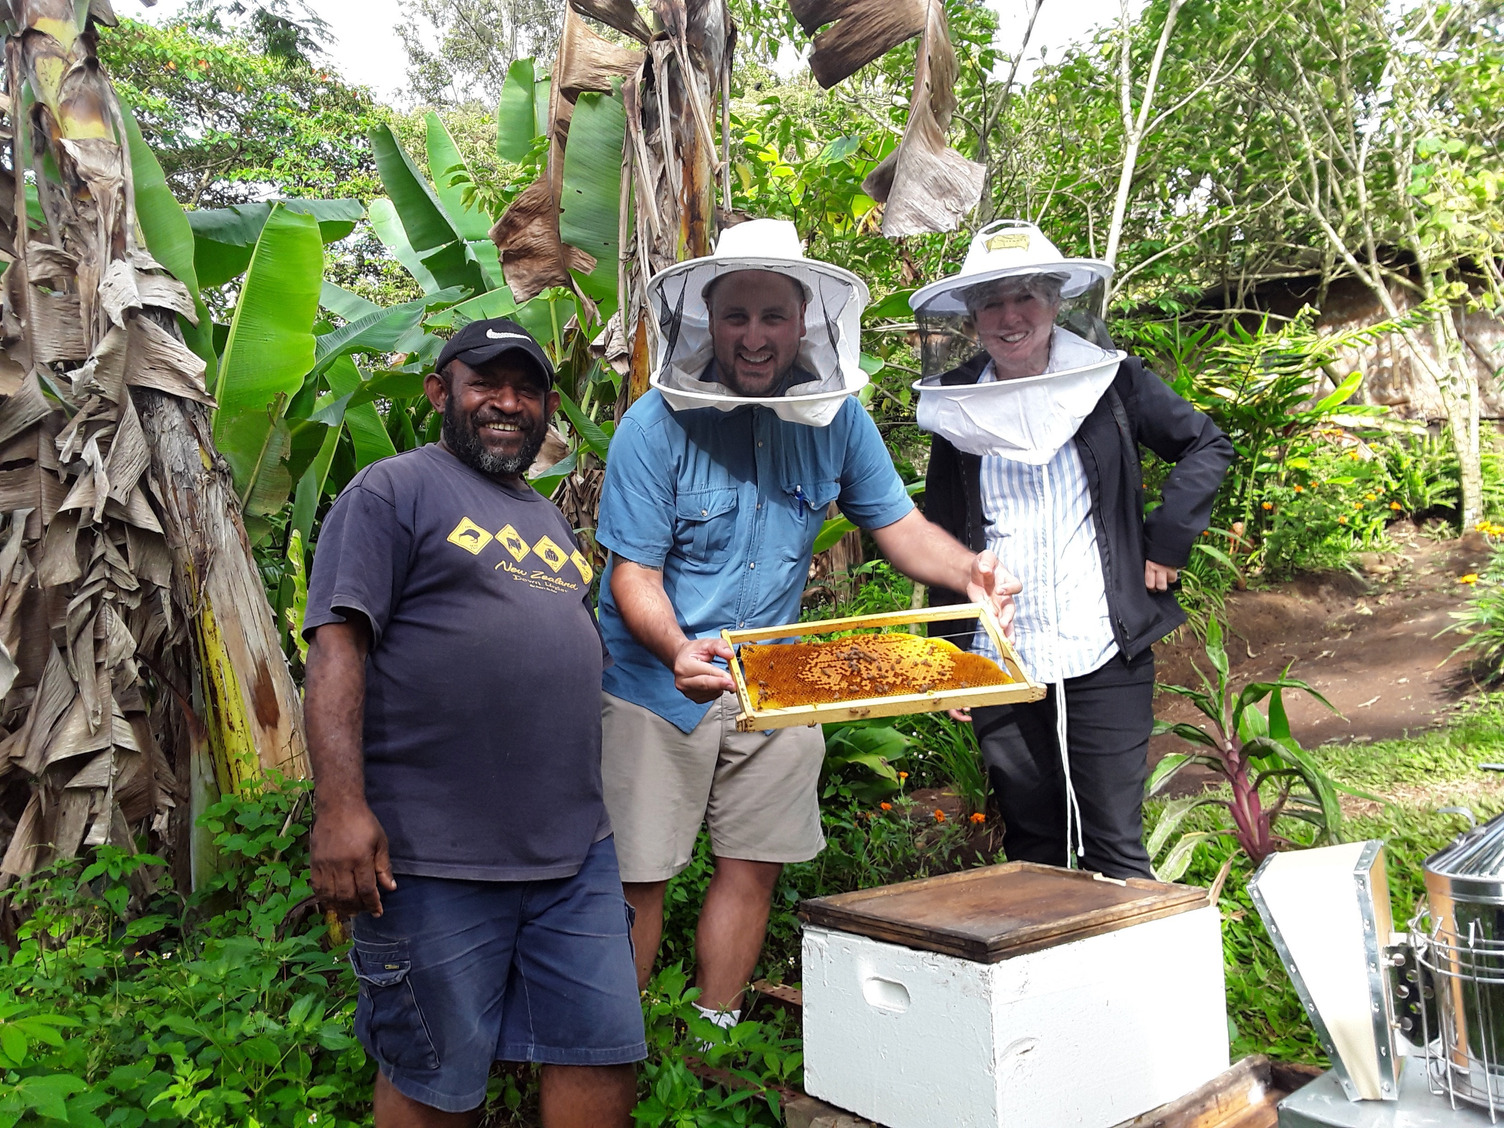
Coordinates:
1459 950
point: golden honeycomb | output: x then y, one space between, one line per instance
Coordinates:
787 675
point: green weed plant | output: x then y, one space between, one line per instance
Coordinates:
221 1008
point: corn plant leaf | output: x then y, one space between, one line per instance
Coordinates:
1170 817
1178 860
443 160
270 345
1322 788
590 197
517 116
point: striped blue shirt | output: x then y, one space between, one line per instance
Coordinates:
1040 526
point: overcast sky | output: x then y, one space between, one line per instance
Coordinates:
369 53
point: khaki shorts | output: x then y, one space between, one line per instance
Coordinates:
757 791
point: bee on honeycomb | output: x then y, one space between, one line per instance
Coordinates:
790 674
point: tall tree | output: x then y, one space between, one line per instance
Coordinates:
458 51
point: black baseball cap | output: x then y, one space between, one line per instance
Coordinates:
484 341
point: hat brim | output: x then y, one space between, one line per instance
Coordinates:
701 272
484 354
944 296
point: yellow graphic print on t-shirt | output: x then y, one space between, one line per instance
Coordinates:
473 539
511 540
469 536
550 553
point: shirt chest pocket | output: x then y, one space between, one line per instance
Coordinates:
808 502
704 524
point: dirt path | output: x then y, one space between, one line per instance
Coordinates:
1366 642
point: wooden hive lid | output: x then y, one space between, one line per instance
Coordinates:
997 912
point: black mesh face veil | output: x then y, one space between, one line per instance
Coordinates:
948 339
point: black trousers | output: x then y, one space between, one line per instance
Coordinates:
1109 715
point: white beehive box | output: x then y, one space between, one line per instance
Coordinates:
1016 996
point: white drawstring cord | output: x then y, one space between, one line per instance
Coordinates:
1072 807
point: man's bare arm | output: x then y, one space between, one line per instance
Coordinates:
349 851
925 552
649 615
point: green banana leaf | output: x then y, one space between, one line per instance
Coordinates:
493 303
427 229
367 432
268 352
516 114
837 527
169 238
443 158
590 195
225 237
337 300
388 227
377 331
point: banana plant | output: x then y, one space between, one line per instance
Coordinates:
1269 774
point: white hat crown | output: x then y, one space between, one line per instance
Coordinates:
760 239
1007 248
1010 244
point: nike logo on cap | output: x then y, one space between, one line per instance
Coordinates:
495 336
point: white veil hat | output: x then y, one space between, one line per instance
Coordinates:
831 348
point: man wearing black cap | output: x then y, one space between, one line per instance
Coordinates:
457 794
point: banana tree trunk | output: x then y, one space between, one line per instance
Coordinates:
132 618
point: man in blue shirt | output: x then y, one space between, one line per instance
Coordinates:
717 485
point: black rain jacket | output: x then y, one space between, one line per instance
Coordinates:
1138 404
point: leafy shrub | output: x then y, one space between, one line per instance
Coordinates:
223 1008
1482 620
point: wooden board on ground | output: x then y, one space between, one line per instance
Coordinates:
1021 687
1245 1096
996 912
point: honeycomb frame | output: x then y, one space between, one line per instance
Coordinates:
871 670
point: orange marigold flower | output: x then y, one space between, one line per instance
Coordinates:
1357 505
886 805
1300 489
940 815
1341 520
1470 578
1268 505
978 817
1370 497
1395 505
903 775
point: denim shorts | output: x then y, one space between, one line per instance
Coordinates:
456 974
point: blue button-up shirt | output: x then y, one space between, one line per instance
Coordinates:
728 505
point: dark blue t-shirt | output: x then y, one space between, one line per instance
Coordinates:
482 733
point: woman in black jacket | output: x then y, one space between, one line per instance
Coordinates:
1035 456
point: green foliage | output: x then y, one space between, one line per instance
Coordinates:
227 121
1482 620
217 1009
754 1063
1269 774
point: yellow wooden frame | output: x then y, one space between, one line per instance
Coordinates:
1022 688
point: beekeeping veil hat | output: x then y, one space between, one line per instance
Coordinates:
834 299
1026 418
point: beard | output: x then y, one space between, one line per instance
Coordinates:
461 435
